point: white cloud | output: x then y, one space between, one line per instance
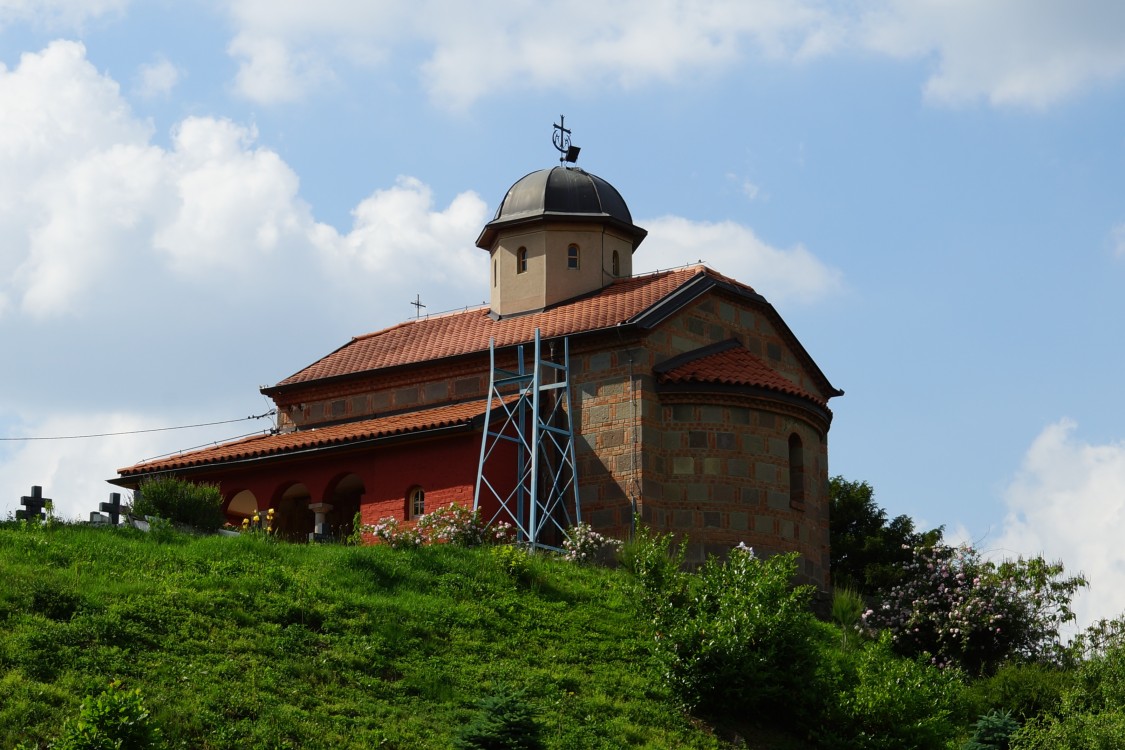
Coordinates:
1028 53
157 78
233 206
793 275
1068 503
271 72
398 234
474 49
55 14
1117 237
86 202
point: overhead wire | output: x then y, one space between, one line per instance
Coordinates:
269 413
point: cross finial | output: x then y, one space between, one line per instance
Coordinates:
561 139
417 305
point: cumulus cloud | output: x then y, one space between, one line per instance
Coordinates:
1028 53
86 201
793 275
122 260
1068 502
157 78
398 233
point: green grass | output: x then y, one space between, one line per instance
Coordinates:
244 643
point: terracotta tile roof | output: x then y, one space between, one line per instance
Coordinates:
469 331
729 363
317 438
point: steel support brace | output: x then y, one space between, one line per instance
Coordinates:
530 408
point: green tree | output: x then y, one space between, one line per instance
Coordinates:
868 551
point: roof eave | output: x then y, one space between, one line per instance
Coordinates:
487 237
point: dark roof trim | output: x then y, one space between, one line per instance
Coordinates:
487 238
821 413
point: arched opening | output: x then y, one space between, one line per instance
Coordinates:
521 260
415 502
572 257
242 505
345 500
292 518
615 264
796 472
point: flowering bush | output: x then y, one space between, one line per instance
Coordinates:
451 524
965 611
583 544
390 532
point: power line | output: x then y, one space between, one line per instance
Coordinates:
182 451
269 413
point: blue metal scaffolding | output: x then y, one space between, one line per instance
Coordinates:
530 407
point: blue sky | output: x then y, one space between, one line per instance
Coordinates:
200 198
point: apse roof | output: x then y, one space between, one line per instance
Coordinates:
728 363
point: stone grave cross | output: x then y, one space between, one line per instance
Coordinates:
113 507
33 505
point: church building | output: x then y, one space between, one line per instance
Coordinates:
691 405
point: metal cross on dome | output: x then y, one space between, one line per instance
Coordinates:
561 139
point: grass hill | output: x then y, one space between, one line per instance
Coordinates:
246 643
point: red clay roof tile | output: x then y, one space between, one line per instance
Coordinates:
469 332
733 366
322 437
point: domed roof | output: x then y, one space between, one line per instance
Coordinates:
561 194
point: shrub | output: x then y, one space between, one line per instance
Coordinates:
656 568
965 611
452 524
736 638
1022 690
180 501
514 559
114 720
1092 714
877 700
503 721
583 544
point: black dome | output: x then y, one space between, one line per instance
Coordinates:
560 194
